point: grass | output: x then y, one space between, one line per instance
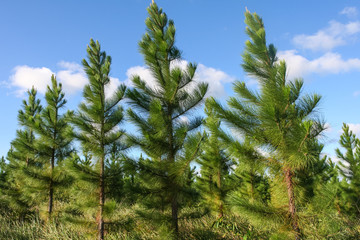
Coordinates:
128 226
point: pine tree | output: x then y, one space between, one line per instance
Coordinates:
349 168
333 181
249 168
166 138
23 149
313 177
2 169
214 181
275 117
3 183
22 155
52 147
98 119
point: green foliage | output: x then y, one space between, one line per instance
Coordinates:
214 181
166 138
20 156
276 118
263 177
97 121
349 168
53 145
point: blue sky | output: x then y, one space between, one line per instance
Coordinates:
320 40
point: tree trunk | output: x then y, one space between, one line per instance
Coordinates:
252 187
51 187
292 207
174 200
221 207
221 210
51 196
101 202
174 214
102 170
31 141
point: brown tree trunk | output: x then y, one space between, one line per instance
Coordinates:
221 210
171 159
51 187
174 214
101 202
101 223
31 141
221 207
292 207
51 196
252 187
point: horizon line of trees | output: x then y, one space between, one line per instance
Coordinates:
268 170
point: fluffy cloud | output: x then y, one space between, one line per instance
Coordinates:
214 77
71 75
112 87
355 128
328 128
336 34
328 63
350 12
143 73
25 77
326 39
73 78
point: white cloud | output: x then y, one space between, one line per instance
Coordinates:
71 75
336 34
73 78
141 71
183 119
112 87
26 77
328 128
335 159
252 82
355 128
350 12
214 77
329 63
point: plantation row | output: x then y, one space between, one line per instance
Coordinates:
259 171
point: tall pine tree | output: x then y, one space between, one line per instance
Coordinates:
276 117
166 135
98 120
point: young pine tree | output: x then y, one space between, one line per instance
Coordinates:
52 147
97 121
165 134
276 117
22 155
214 181
250 168
349 169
